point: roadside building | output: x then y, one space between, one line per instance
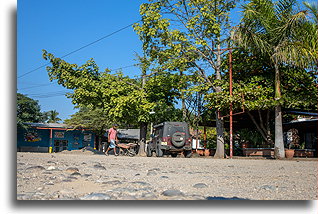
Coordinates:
53 137
305 122
308 135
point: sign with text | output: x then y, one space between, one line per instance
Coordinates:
59 134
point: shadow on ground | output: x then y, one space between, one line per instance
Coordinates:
223 198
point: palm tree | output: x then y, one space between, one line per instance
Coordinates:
277 30
309 32
53 116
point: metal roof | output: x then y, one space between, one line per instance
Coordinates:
170 123
129 134
48 125
303 120
133 134
302 113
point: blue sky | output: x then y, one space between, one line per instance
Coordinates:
62 26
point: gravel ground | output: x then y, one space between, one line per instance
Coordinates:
85 175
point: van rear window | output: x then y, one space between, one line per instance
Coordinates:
172 129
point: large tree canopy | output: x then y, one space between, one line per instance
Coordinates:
28 111
276 31
120 97
184 35
253 89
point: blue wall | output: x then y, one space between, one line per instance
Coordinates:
42 139
76 139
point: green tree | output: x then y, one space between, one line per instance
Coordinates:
273 29
28 111
253 90
121 98
181 34
52 116
94 119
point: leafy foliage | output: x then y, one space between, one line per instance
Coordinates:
278 29
179 35
117 97
28 111
182 35
51 116
275 30
253 85
94 119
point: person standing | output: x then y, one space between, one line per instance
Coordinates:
112 139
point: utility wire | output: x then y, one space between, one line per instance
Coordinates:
53 95
48 93
51 84
61 93
85 46
36 86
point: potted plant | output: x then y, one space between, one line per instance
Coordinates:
292 143
206 152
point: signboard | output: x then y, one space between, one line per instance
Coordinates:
59 134
32 136
87 137
197 144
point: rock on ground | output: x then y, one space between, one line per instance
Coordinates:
84 175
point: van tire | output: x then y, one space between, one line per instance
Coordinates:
174 155
187 153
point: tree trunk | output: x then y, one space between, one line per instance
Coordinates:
279 142
268 134
265 132
219 153
219 121
258 127
142 139
183 107
143 125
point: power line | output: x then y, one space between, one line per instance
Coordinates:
50 84
48 93
61 93
85 46
128 66
53 95
36 86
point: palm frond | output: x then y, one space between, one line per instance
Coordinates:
278 30
312 7
283 8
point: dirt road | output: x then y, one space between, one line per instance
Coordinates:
88 176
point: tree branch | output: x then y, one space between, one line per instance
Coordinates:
261 121
129 83
257 126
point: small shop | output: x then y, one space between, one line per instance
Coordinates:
53 137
